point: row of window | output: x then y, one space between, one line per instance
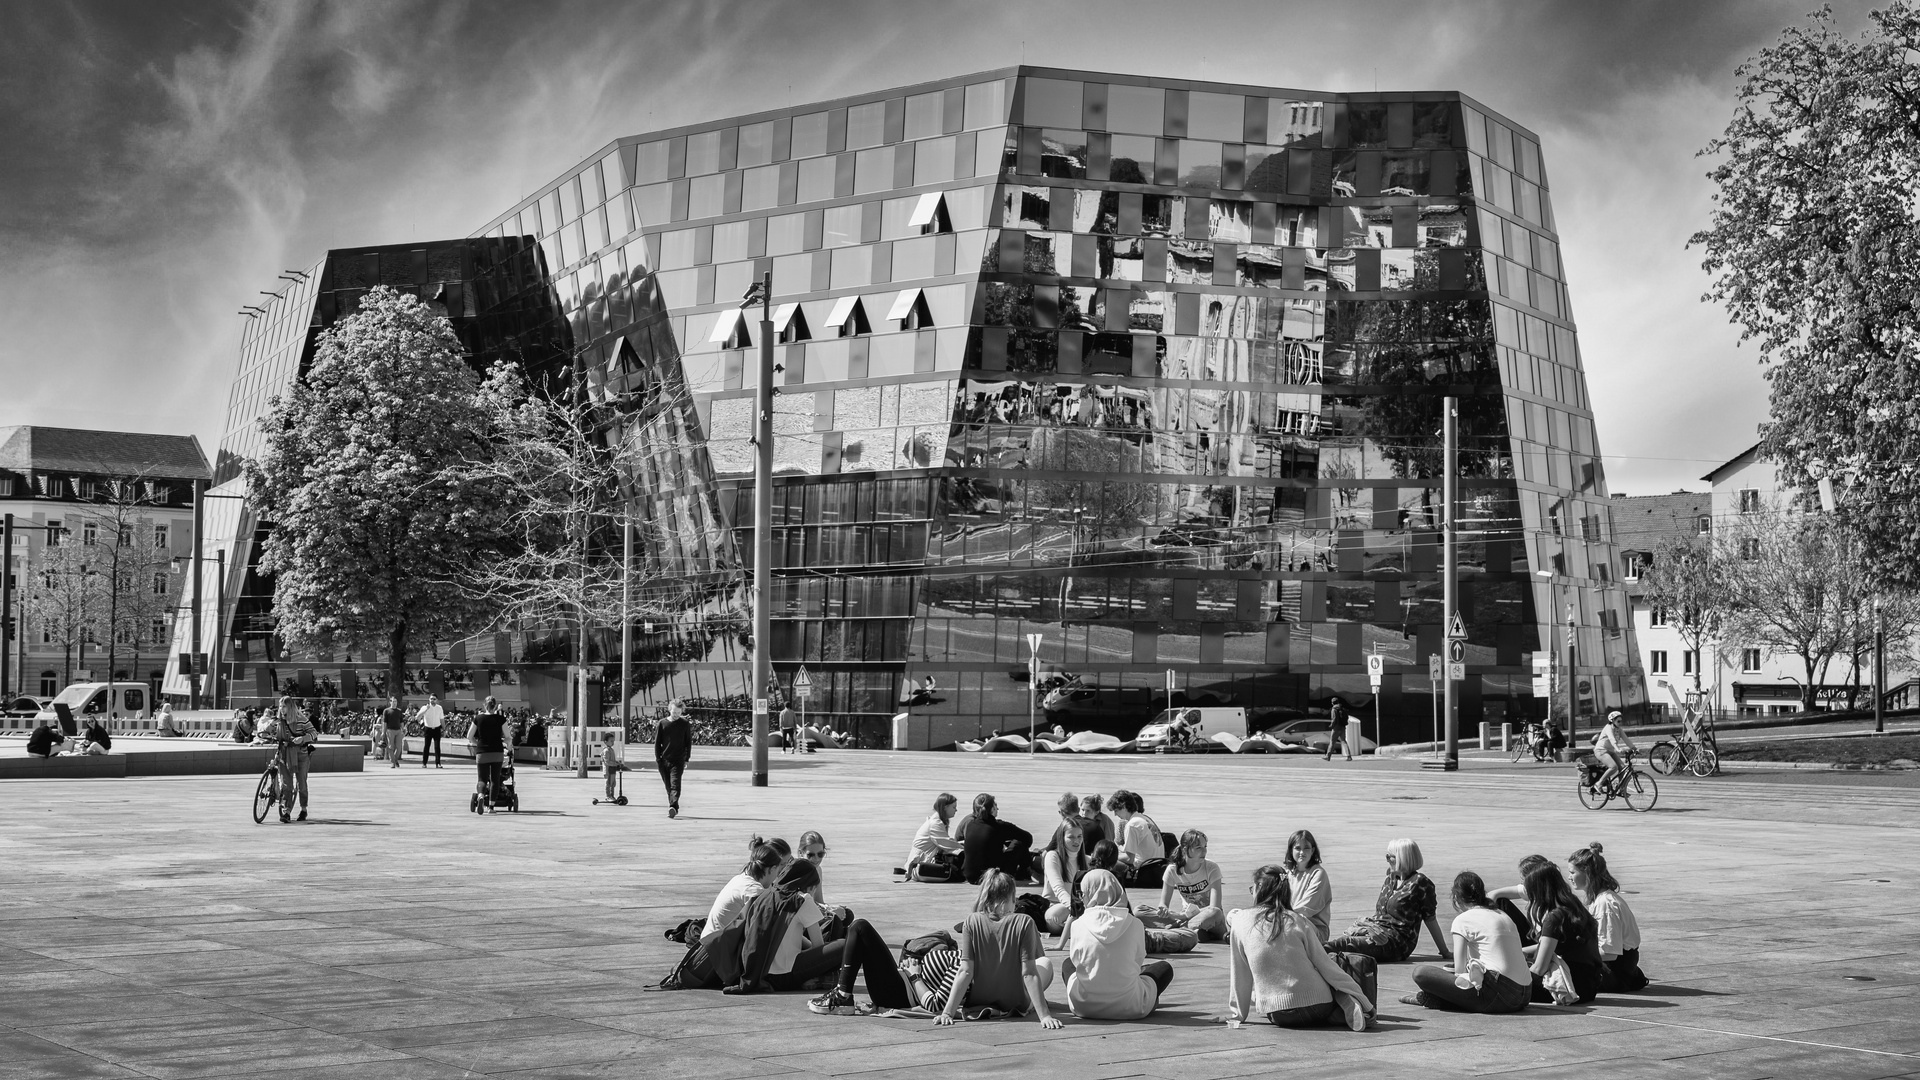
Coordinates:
90 534
1690 661
158 631
45 486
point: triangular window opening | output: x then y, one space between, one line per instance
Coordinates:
731 331
910 310
849 318
930 215
790 323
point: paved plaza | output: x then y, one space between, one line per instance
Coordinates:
151 929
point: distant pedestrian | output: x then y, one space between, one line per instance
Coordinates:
789 727
489 736
432 717
672 748
393 735
1337 735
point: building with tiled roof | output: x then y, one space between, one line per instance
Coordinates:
63 484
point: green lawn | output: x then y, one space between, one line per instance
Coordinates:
1865 750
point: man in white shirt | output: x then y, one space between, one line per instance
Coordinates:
431 717
1612 746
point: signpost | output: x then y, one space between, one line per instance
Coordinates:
802 690
1435 674
1376 670
1033 686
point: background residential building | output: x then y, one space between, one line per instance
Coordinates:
122 503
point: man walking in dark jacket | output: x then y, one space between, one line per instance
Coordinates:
672 747
992 844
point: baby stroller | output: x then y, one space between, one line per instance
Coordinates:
499 795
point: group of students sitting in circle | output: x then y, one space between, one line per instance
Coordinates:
1285 964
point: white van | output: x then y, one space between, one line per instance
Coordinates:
129 700
1201 724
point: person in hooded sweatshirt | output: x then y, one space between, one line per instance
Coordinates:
1108 976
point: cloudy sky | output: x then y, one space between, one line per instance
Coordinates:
164 161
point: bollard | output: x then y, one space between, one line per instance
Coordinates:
1485 742
1506 738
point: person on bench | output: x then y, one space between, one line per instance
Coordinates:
99 739
46 741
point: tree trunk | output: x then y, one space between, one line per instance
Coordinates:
1806 688
397 661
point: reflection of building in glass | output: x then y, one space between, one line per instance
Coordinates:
1150 368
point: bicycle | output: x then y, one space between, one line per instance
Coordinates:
1523 747
1633 786
267 795
1669 756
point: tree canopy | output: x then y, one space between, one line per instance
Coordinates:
1814 248
376 516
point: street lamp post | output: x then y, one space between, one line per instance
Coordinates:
762 528
1879 668
1450 567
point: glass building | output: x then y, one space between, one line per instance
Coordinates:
1152 368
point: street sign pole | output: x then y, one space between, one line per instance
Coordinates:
1033 687
1435 673
1450 566
803 691
1376 671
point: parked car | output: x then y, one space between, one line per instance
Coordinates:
24 706
1201 725
1311 733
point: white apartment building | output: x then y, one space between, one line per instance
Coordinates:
61 486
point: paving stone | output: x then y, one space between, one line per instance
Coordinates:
188 942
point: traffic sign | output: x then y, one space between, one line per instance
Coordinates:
1376 667
759 706
1456 629
1457 651
802 681
804 693
1434 671
1456 672
1033 643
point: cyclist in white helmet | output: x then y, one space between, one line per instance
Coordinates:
1612 746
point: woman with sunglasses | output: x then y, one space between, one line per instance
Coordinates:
1406 903
813 849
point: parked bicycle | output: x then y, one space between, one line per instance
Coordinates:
1634 786
1670 756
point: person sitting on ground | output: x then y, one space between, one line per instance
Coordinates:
1000 968
1312 892
1489 963
99 740
46 741
935 854
169 728
1143 854
1616 930
1068 806
763 863
1106 969
612 760
1090 810
813 849
801 953
242 726
1612 746
1566 932
1191 891
1063 866
1279 969
992 844
1406 902
1505 899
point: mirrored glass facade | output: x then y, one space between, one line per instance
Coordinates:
1150 368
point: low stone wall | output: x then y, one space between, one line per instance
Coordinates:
199 761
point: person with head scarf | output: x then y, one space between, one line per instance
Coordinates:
1108 976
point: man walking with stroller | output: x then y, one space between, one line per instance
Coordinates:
672 748
489 737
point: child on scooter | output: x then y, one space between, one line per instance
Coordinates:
611 761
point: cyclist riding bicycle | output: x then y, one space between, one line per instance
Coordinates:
1612 746
288 727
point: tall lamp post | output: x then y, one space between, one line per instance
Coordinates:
762 291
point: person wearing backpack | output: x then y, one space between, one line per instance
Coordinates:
672 749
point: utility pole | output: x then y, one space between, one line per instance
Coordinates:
219 622
626 627
6 606
1450 566
762 529
1879 668
199 538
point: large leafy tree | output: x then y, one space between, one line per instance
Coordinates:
376 516
1815 250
